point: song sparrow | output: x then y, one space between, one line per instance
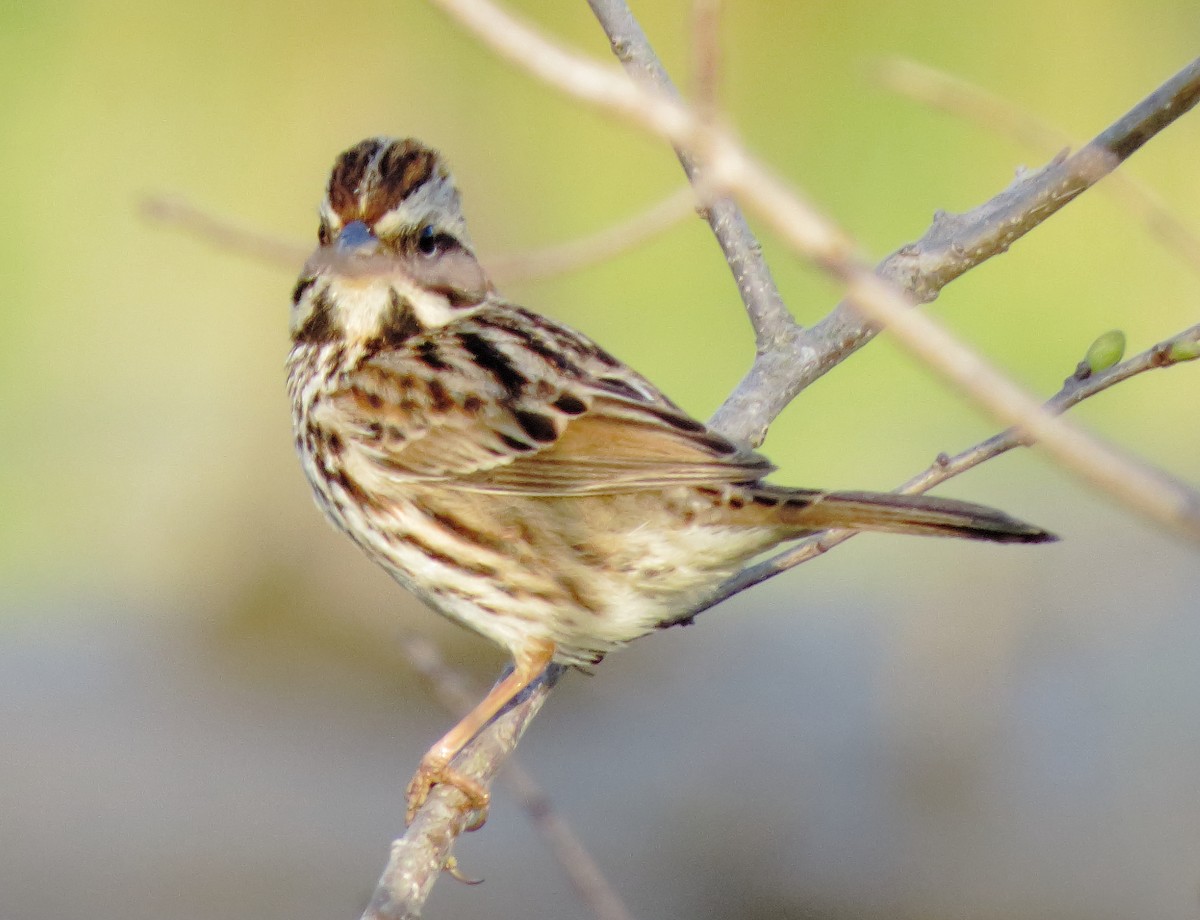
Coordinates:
503 467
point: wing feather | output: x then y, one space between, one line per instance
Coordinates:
518 423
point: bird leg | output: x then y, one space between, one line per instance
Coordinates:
528 663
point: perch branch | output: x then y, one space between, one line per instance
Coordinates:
957 97
418 858
457 698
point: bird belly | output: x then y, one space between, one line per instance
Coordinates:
588 573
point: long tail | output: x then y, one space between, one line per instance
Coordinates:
917 514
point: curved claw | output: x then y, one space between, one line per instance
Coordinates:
451 869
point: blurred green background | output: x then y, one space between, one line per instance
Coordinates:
203 706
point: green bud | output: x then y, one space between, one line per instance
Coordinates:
1106 351
1183 351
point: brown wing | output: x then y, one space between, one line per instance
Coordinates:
618 446
487 406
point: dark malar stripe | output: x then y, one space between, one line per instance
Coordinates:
301 286
399 323
493 361
318 327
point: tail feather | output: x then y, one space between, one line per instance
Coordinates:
886 511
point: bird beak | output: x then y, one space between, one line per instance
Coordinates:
356 253
356 239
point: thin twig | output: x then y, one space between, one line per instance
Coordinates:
957 243
768 314
581 869
1185 346
504 269
914 274
706 55
957 97
223 233
606 244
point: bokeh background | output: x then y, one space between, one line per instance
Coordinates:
204 709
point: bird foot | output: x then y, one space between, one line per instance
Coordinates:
433 771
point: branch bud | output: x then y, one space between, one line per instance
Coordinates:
1106 351
1183 351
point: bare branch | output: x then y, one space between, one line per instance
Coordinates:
609 242
956 96
914 274
768 314
706 54
965 100
558 259
957 243
584 873
1080 386
223 233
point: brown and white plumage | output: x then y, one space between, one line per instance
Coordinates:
504 467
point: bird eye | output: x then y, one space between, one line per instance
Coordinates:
428 241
